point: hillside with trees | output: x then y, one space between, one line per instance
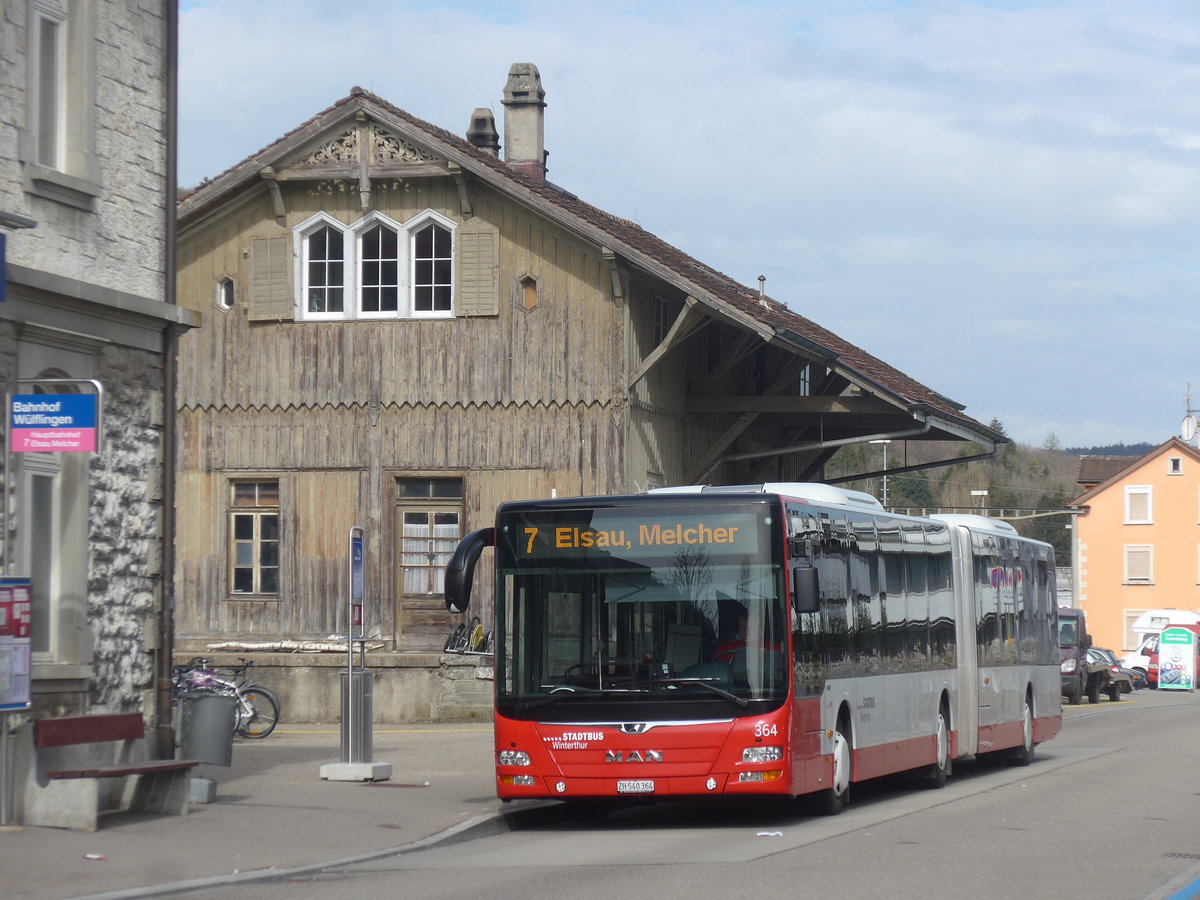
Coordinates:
1021 482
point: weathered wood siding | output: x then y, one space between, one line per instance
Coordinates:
519 404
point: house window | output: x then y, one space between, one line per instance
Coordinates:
662 319
433 265
1138 505
379 269
254 538
225 293
1139 564
51 505
1132 638
57 140
1175 465
48 38
324 269
431 525
359 271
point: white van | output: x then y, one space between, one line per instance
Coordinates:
1149 626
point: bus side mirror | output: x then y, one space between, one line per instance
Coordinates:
460 571
804 589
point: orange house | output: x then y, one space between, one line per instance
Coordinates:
1136 540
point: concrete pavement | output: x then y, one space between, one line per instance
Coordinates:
272 811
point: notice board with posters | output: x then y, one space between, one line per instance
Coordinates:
16 596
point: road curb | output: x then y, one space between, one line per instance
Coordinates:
486 825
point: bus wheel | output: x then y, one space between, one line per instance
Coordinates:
940 771
830 801
1023 755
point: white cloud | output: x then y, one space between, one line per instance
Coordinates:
946 185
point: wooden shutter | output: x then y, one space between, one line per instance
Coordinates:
478 270
270 266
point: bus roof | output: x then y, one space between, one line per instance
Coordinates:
976 523
798 490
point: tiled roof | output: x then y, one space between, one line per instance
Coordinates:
1097 469
702 281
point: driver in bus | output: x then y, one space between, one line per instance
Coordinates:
728 648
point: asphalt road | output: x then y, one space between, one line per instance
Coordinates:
1107 810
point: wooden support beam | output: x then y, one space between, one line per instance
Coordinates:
690 320
267 174
464 199
610 259
712 456
364 161
746 344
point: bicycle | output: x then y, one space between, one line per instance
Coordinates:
257 709
469 639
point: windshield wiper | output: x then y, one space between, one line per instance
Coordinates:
705 683
566 693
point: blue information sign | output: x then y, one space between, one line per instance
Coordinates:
46 423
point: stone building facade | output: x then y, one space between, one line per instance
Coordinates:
86 170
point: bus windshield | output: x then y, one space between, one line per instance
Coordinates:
623 613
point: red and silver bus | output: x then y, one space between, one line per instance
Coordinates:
776 639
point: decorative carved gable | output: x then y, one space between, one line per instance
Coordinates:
388 149
341 150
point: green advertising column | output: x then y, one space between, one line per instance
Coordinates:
1177 660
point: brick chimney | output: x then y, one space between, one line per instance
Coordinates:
524 121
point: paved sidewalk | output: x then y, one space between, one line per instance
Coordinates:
272 810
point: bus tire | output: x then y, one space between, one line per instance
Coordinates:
833 799
944 767
1023 755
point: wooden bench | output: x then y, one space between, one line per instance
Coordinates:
71 781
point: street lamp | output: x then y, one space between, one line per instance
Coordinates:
885 442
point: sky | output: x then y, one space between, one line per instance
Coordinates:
1000 199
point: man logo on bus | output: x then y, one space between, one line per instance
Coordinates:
616 756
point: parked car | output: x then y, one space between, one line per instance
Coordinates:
1119 680
1139 660
1079 674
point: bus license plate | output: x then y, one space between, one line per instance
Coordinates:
635 787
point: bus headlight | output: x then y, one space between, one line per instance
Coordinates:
758 777
514 758
1068 666
762 754
521 780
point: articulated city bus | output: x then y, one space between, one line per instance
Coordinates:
777 639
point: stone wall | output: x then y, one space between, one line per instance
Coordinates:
124 575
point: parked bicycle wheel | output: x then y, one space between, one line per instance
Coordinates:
258 711
455 639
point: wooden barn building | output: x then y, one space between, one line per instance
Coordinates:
403 328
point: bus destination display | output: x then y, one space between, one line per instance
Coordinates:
562 535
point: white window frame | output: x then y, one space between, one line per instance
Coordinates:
411 227
1132 490
300 236
352 236
1148 549
359 229
225 293
1174 465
